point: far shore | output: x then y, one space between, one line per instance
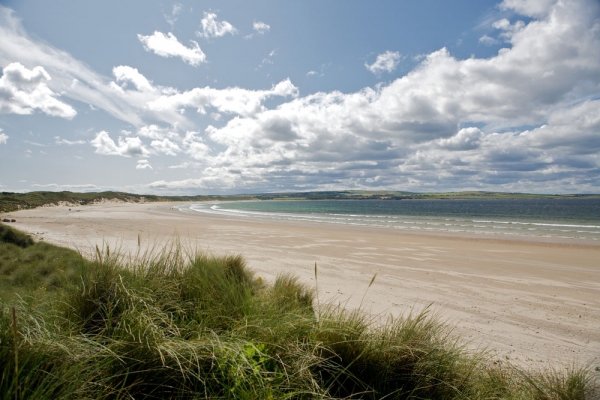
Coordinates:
530 302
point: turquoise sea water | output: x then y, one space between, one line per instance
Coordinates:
568 218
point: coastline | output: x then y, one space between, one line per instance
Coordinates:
312 219
529 301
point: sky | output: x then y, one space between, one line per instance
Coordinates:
225 97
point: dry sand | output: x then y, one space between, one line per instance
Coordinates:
531 303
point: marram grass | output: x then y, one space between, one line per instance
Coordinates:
181 325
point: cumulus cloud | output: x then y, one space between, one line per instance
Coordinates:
167 45
229 100
165 146
195 146
532 8
261 27
72 78
506 28
3 137
153 140
213 179
126 75
23 90
211 27
156 132
465 139
125 146
385 62
449 123
574 129
125 98
405 133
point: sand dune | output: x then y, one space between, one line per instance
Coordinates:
530 302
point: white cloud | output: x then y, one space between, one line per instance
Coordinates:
404 133
213 179
86 187
126 146
449 123
162 141
23 90
3 137
156 132
487 40
211 27
173 16
126 75
284 88
165 146
143 164
385 62
168 46
196 147
74 79
230 100
508 29
465 139
268 60
60 141
574 129
261 27
531 8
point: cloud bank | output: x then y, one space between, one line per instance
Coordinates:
524 119
448 123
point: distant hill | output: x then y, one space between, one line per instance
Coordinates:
16 201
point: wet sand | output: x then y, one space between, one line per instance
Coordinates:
529 302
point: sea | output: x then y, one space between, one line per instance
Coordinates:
551 218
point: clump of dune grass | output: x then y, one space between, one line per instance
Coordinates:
178 324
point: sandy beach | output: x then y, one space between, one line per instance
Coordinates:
532 303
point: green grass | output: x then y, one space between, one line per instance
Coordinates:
10 201
177 324
34 269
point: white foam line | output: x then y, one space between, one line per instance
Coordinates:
426 223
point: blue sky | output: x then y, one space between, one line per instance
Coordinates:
236 96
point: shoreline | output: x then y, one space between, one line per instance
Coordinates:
529 302
451 226
503 237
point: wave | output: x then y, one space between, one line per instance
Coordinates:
429 223
538 224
